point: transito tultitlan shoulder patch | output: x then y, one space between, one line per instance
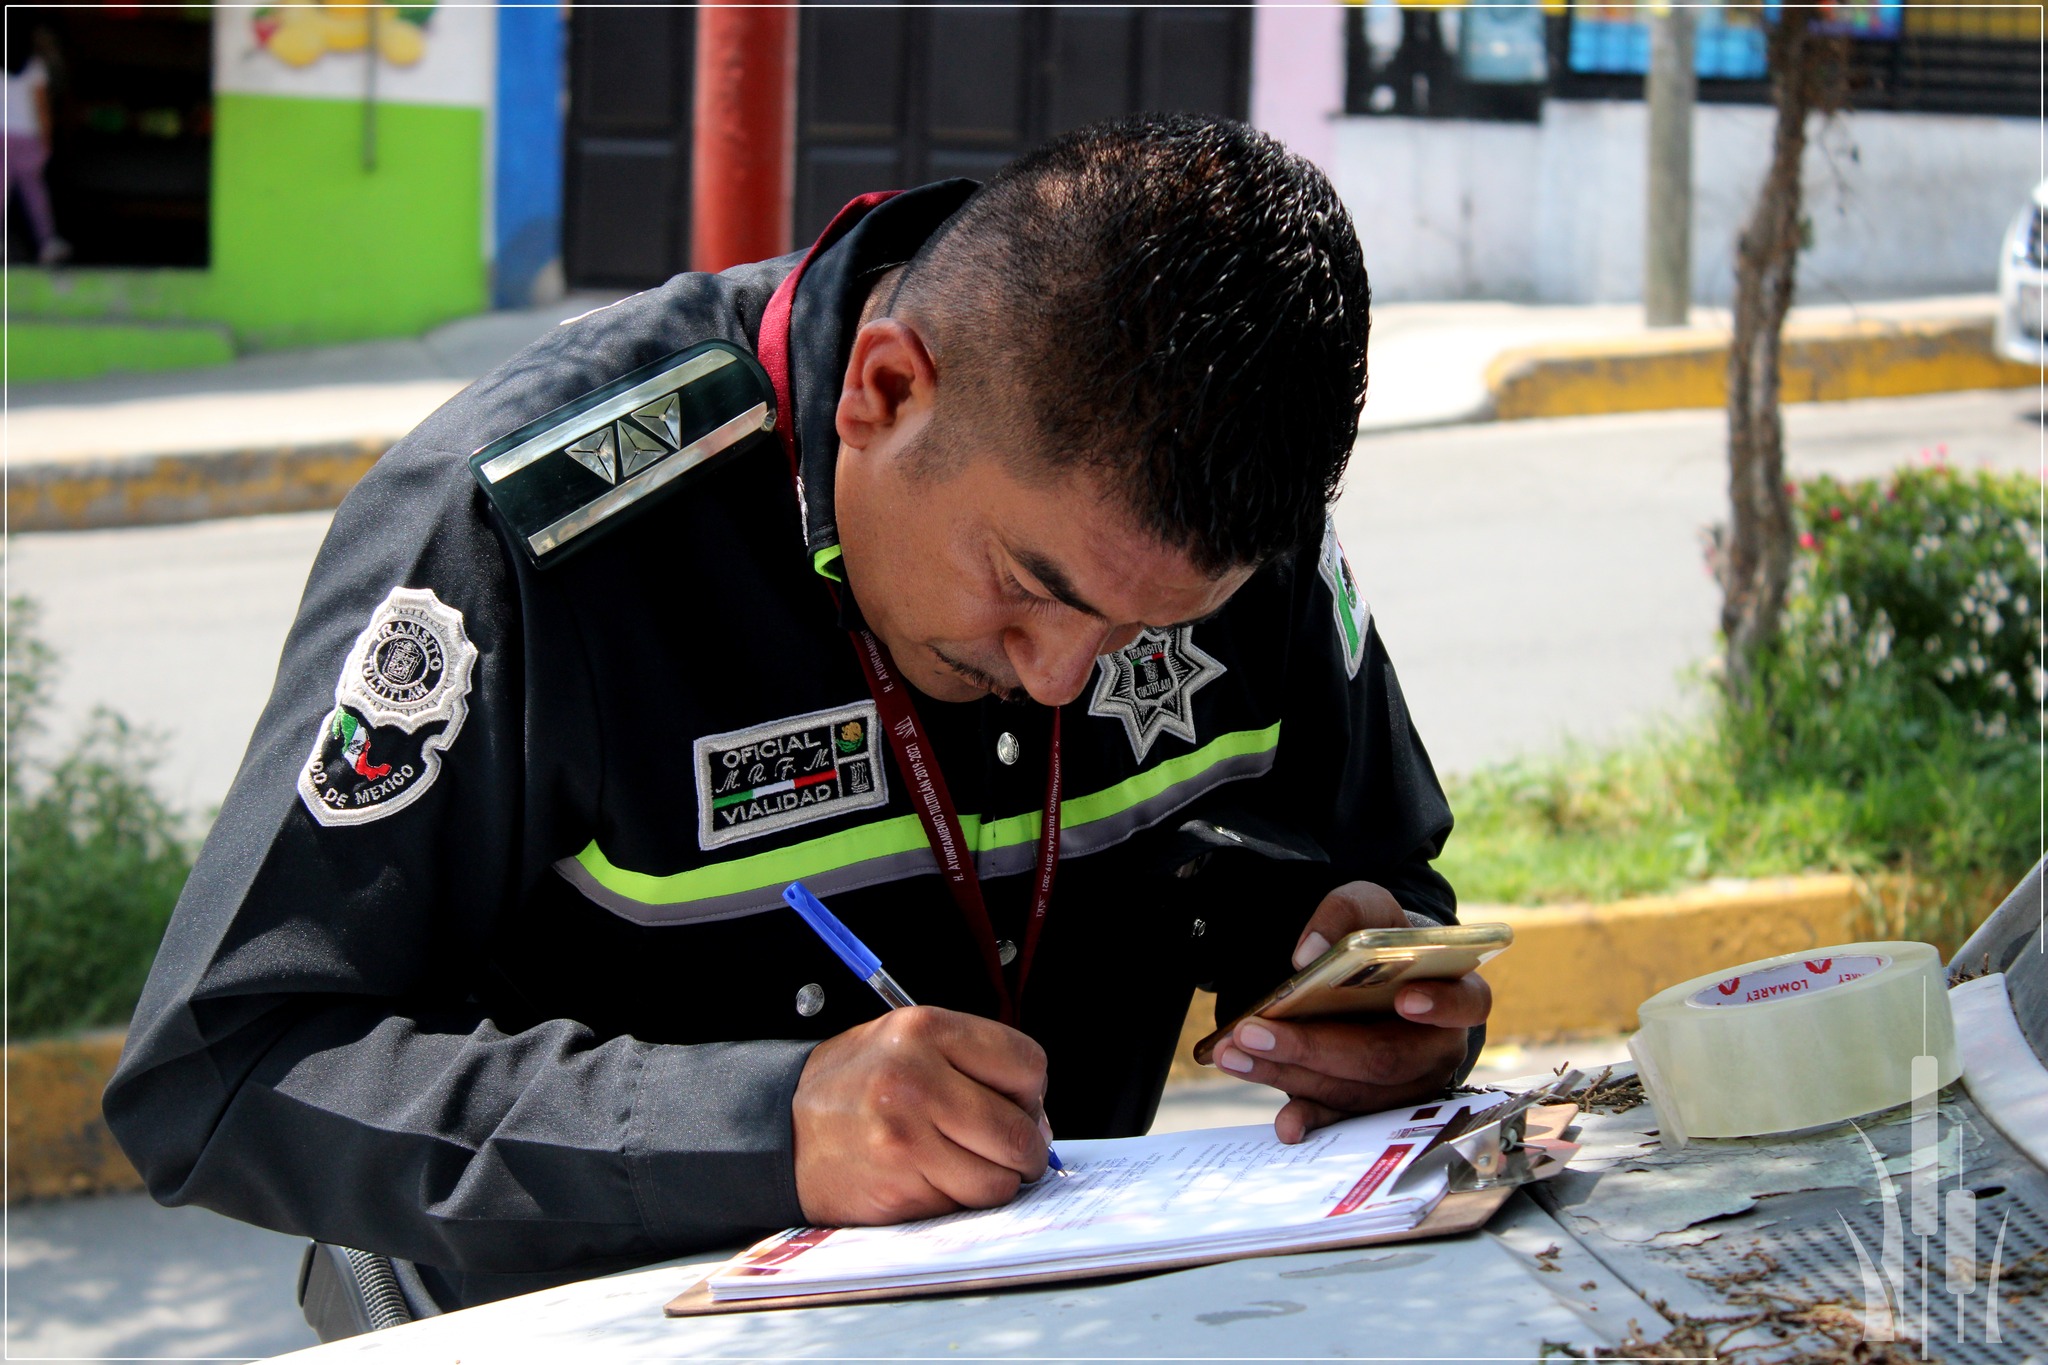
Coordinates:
1150 686
788 772
403 694
1353 614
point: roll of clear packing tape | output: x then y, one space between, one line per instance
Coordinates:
1797 1041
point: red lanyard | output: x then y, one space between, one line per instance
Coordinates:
907 738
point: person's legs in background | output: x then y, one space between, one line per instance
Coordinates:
26 157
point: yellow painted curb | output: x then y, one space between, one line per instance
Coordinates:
1577 970
1583 969
1822 362
155 490
57 1143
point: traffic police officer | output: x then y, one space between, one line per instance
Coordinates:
773 575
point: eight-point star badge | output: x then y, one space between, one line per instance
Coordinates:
1150 686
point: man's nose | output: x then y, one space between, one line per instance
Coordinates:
1054 660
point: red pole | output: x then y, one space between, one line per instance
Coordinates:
743 172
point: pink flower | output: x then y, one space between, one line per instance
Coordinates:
1806 540
1834 514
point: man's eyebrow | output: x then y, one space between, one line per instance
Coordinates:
1055 581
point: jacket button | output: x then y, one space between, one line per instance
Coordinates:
1006 952
1007 748
810 1000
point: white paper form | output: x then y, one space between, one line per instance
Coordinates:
1131 1201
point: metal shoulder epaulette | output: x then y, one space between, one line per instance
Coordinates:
591 462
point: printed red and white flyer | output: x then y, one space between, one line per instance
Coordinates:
1131 1202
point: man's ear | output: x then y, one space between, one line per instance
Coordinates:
890 379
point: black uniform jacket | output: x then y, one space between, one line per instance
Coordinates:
525 1003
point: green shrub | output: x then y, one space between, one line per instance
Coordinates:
1908 676
1897 729
95 860
1927 585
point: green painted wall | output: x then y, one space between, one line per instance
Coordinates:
308 246
38 351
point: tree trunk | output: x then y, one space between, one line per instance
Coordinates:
1757 556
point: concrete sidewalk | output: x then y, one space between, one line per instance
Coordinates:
293 431
1428 368
278 432
1439 363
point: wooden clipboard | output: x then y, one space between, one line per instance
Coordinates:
1458 1212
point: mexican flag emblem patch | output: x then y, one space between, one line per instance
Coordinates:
401 701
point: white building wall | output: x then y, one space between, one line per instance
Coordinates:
1297 90
1901 204
1587 213
1441 214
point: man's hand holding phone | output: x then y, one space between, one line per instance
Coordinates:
1331 1068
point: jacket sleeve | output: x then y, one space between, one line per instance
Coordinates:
309 1053
1352 795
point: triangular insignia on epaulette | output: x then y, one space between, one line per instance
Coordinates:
589 462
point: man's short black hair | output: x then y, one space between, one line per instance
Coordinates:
1175 301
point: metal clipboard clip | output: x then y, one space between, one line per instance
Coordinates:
1486 1150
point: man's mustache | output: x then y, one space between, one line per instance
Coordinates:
987 682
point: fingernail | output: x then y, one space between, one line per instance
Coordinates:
1230 1059
1256 1038
1312 947
1415 1002
1045 1127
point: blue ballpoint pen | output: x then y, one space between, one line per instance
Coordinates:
863 963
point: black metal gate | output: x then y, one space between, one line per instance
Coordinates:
626 200
896 97
887 98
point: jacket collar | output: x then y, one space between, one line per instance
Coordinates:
823 319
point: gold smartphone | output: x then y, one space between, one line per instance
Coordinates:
1361 974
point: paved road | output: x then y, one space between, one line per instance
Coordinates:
116 1277
1533 580
177 628
1538 580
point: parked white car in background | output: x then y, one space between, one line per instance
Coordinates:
2023 283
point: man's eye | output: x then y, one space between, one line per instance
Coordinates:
1015 591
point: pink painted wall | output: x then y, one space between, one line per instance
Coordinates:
1298 75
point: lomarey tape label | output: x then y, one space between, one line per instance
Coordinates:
1790 978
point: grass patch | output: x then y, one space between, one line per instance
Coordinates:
95 860
1942 829
1651 817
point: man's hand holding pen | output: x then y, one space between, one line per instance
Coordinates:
920 1112
1333 1068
